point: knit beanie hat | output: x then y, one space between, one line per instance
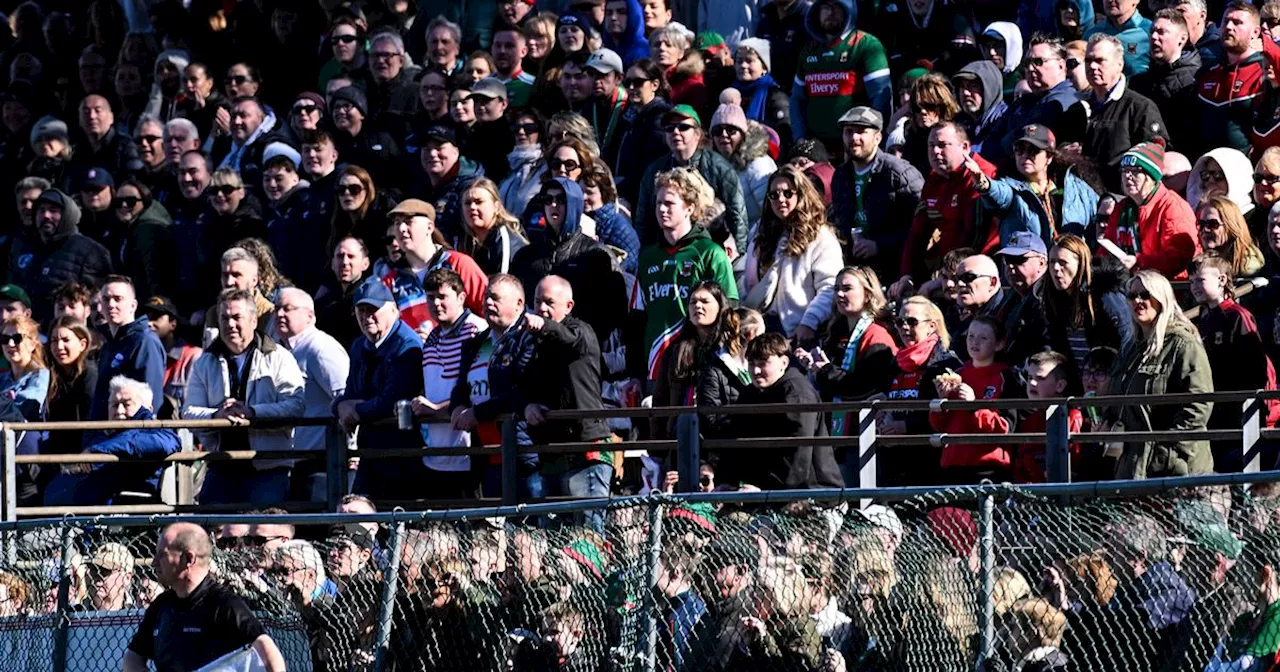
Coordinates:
50 126
761 47
1149 156
729 114
709 40
588 555
355 96
701 514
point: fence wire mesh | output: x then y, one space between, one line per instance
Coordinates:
1176 582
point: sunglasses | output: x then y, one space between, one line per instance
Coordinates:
237 79
258 541
11 339
779 194
1213 175
1139 295
705 481
1036 61
1265 179
129 202
527 129
225 189
352 189
566 164
554 199
909 322
636 82
305 109
1026 149
343 39
1073 63
1209 224
683 128
388 240
229 543
968 278
383 55
724 130
149 138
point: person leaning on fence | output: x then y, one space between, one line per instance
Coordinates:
244 376
97 484
1166 358
197 620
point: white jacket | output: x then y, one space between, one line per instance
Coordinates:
799 290
275 389
755 182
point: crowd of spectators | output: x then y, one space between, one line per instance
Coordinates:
299 208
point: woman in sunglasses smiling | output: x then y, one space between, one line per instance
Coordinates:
639 139
1222 228
233 213
1166 358
24 387
146 252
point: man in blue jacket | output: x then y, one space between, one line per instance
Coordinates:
129 347
100 483
386 367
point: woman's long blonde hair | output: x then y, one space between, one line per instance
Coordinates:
500 215
935 315
1240 246
30 330
1161 292
800 229
876 304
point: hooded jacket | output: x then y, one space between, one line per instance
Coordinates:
134 351
835 75
718 173
993 106
1239 173
41 265
787 468
160 106
1011 34
632 46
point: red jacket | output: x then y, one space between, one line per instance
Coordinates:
1167 237
996 381
950 216
1028 465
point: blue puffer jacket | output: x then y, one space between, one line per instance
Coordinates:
380 377
133 351
634 45
613 228
133 444
1020 209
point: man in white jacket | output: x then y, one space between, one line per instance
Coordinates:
246 377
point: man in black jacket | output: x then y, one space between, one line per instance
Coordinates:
1170 79
566 375
60 254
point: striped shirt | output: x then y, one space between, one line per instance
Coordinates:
441 366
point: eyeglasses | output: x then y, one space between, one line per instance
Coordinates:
554 199
1213 175
1026 149
909 322
383 55
229 543
237 79
1265 179
259 541
636 82
683 128
527 129
129 202
968 278
225 189
779 194
1073 63
1209 224
342 39
352 189
568 165
726 130
305 109
149 138
1037 61
11 339
1139 295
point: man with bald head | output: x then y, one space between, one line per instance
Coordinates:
324 363
566 375
197 620
978 292
100 145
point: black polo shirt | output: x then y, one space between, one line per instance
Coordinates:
180 634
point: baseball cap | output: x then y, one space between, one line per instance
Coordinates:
414 208
862 116
160 305
97 178
355 534
489 87
1038 135
605 61
442 133
373 293
113 556
1023 243
15 293
681 112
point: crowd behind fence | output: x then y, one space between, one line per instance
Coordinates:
1171 575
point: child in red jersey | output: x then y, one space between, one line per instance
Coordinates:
983 377
1047 377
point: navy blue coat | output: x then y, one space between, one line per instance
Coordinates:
135 352
382 376
136 444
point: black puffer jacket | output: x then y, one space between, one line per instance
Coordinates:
41 265
789 468
638 142
221 232
1172 86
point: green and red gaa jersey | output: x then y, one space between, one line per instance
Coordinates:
834 78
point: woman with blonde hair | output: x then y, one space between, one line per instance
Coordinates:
1035 629
793 258
1167 357
1222 228
490 234
24 391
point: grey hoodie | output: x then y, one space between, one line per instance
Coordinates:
993 105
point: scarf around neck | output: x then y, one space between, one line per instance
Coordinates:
758 93
913 357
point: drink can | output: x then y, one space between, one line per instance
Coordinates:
404 415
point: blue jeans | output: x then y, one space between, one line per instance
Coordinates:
242 484
530 482
592 480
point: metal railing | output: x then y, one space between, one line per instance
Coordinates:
688 445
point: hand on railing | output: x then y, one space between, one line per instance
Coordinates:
235 411
534 414
670 482
464 419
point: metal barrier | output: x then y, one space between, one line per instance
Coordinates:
967 578
688 444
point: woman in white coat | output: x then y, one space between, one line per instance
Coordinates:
793 257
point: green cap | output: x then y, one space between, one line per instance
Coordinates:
15 293
708 39
682 112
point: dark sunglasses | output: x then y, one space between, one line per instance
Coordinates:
705 481
1073 63
149 138
11 339
1265 179
129 202
779 194
388 240
909 322
683 128
352 189
1035 61
1139 294
229 543
968 278
305 109
237 79
259 541
343 39
567 164
225 189
1213 175
636 82
527 129
724 130
1209 224
555 199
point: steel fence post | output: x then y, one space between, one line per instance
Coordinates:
650 662
62 623
987 551
10 502
1057 442
386 610
1251 435
688 450
510 463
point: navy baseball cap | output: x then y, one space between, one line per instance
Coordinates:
374 293
96 178
1023 243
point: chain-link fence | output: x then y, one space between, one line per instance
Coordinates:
955 579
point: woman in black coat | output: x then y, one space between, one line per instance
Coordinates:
726 373
71 385
639 139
